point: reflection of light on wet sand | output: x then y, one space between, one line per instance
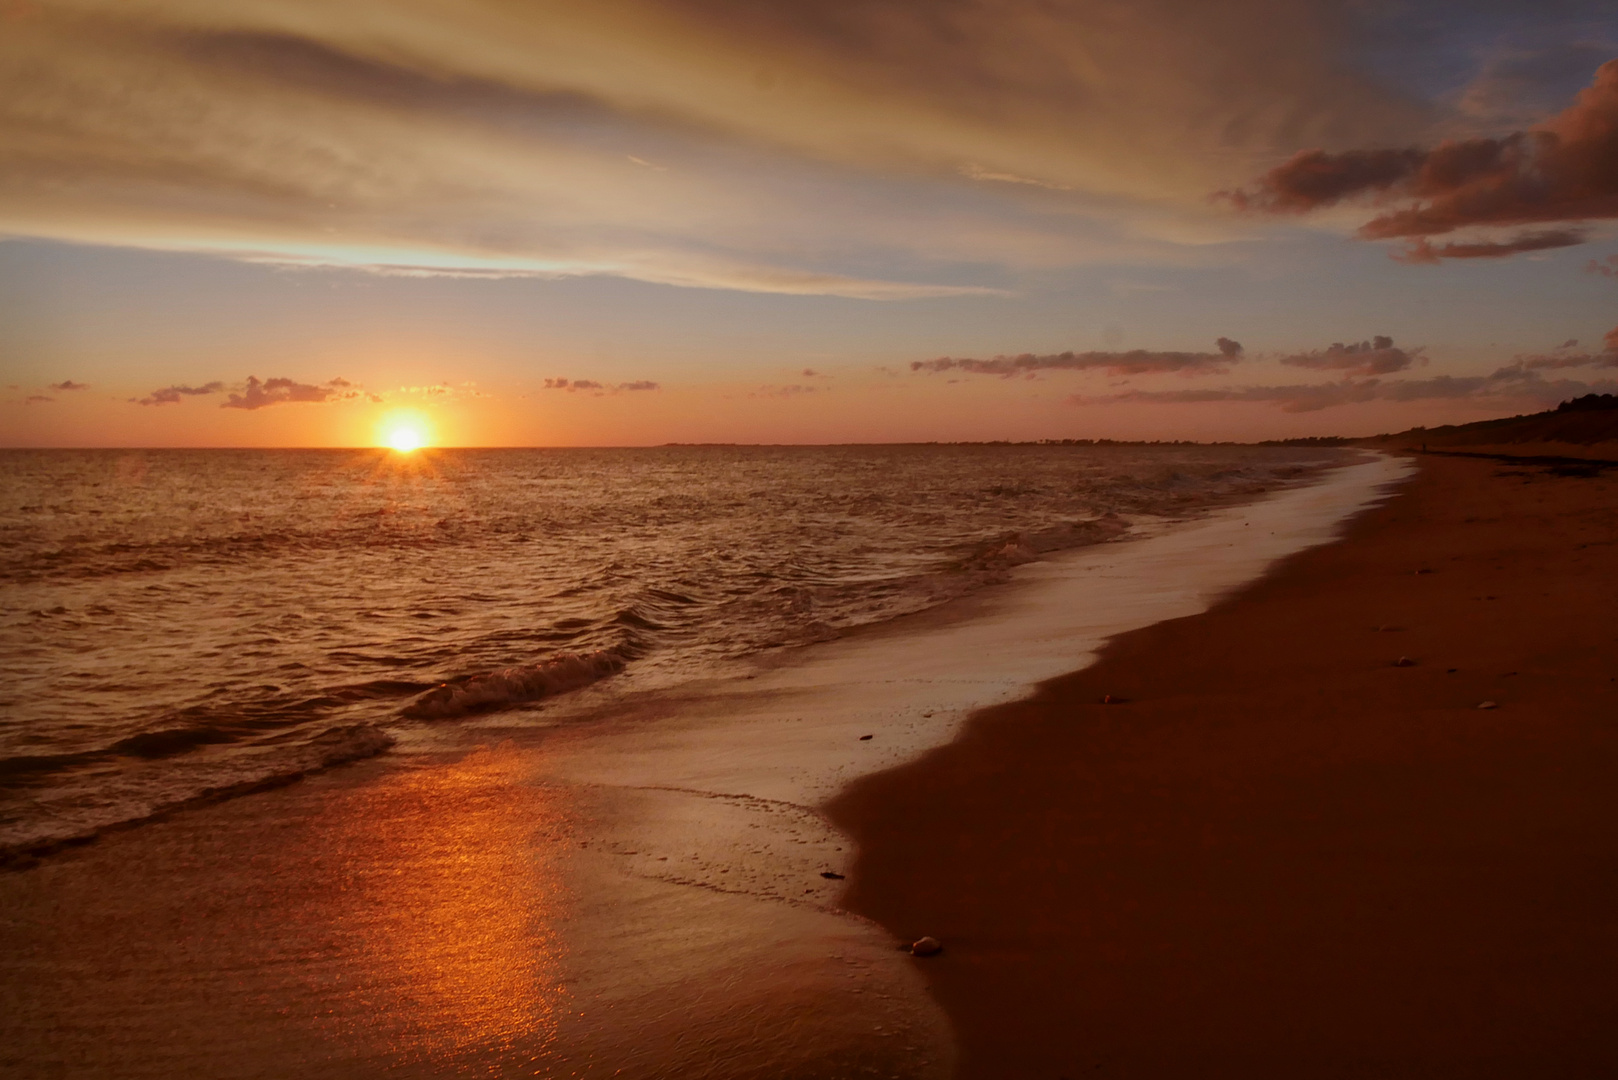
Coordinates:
451 911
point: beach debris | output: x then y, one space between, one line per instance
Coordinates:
1488 705
831 875
1112 699
1451 671
926 946
864 738
1404 661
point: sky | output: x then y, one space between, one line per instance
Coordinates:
631 222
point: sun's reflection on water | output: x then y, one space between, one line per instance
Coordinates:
455 894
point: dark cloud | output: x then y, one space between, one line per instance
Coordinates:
171 395
1564 357
1563 170
1133 362
1421 250
259 395
1515 381
68 384
1378 356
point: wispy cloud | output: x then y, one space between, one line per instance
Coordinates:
1422 250
665 141
1607 267
1519 382
1133 362
789 391
578 385
173 395
67 385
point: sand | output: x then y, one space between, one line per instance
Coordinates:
1284 855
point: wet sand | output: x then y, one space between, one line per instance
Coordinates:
1282 855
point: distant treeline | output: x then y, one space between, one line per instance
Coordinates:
1589 403
1312 440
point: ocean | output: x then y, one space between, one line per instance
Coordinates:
491 763
184 624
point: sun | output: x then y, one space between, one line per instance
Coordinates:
404 432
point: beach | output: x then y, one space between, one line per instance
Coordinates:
640 882
1268 856
1281 853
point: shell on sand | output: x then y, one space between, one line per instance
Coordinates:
927 946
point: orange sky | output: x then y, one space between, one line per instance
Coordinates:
275 222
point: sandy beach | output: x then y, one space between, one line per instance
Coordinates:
1288 851
1276 854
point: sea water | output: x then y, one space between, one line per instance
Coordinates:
184 624
588 839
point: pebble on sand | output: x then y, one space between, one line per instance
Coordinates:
1488 705
1404 661
927 946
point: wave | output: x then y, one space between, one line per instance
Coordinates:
514 685
333 747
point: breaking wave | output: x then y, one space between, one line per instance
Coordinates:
514 685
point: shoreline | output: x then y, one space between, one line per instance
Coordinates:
656 879
1282 854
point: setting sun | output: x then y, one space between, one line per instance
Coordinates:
404 432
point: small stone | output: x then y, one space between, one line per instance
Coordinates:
1404 661
927 946
831 875
1488 705
865 738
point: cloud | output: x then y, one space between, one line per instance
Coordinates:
171 395
1421 250
1562 170
1375 357
260 395
36 399
1563 357
574 385
793 390
791 147
1513 382
1133 362
1606 268
68 384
